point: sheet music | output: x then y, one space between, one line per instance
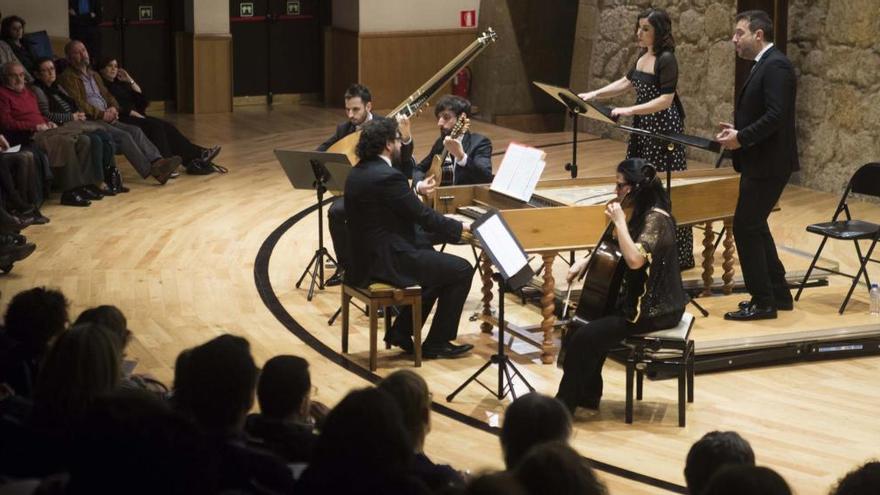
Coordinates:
520 170
502 245
13 149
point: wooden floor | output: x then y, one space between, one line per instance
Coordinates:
179 261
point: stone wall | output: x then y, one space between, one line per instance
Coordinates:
706 59
833 45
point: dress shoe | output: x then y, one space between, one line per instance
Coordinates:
37 217
752 312
90 192
163 168
11 223
403 342
208 154
74 198
336 279
445 351
780 306
10 252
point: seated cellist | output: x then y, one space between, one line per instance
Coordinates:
651 297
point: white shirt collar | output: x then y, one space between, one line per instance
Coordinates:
762 52
387 160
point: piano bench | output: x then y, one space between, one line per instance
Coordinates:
665 350
377 296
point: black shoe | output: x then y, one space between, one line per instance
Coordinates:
91 192
445 351
208 154
10 223
784 306
17 251
73 198
335 280
403 342
34 216
752 312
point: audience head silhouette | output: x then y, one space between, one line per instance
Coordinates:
530 420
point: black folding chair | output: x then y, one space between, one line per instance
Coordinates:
866 180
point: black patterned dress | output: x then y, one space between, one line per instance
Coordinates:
658 153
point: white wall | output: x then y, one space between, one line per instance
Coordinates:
48 15
206 16
381 16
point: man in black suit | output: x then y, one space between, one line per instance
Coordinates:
383 215
358 106
764 146
470 155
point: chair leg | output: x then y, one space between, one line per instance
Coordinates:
859 253
630 371
682 372
417 330
374 330
689 359
387 326
640 380
345 301
810 269
862 268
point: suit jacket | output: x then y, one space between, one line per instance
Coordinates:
478 169
764 117
383 213
407 163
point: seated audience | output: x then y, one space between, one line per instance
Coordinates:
33 320
131 442
68 152
410 391
497 483
86 88
862 481
285 424
58 107
712 452
214 384
12 33
531 420
556 468
133 110
21 185
743 479
363 449
8 55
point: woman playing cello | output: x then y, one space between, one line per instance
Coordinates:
651 297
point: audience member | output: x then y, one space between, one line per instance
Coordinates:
58 107
68 152
20 184
556 468
497 483
862 481
131 442
12 33
7 55
531 420
363 449
33 320
410 391
133 110
285 424
710 453
743 479
86 88
214 383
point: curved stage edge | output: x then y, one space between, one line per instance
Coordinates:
273 304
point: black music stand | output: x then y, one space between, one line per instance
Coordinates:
576 107
320 172
508 256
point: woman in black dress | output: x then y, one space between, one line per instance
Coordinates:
133 110
657 107
651 297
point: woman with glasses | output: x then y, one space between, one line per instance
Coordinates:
657 109
651 297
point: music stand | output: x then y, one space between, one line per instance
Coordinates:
508 257
320 172
575 106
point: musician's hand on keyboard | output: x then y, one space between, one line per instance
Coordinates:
427 186
577 269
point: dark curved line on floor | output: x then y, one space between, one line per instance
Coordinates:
267 294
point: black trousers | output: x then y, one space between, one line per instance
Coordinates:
167 138
587 346
762 270
446 280
339 232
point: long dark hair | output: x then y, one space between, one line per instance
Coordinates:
647 191
659 20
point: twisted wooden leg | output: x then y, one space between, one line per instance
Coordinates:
729 250
548 351
486 274
708 259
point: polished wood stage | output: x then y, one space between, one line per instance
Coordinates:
207 255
